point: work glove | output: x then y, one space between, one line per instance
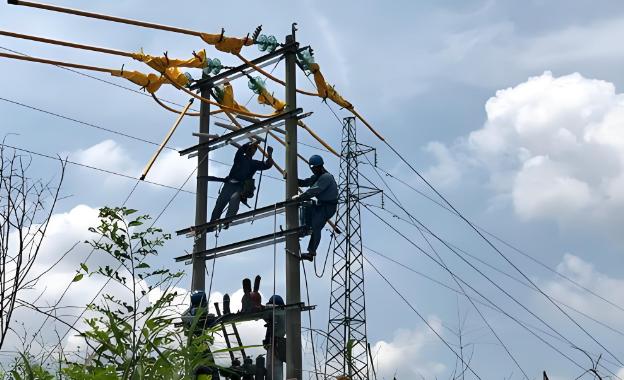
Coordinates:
270 150
295 197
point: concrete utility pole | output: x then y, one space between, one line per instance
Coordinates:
198 281
293 285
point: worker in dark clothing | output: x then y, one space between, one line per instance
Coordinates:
274 341
321 186
241 174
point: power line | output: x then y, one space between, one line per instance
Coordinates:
487 323
603 324
94 168
502 254
491 305
508 244
420 316
108 280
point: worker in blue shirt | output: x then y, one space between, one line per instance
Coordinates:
240 176
323 187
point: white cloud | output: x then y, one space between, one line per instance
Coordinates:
589 277
169 169
404 356
447 170
554 146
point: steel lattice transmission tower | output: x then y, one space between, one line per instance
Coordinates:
346 332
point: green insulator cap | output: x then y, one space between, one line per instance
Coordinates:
216 66
219 91
262 42
272 42
256 84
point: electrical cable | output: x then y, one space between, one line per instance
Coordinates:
469 286
494 247
487 323
508 244
93 168
491 305
421 316
503 255
603 324
108 280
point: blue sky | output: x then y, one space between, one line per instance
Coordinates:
511 109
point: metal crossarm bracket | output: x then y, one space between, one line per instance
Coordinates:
238 71
241 218
244 317
245 245
249 131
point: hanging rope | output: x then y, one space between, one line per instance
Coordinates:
266 140
329 247
163 105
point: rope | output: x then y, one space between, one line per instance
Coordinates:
305 277
266 140
171 109
326 256
273 350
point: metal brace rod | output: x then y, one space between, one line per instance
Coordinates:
239 218
253 129
247 71
245 245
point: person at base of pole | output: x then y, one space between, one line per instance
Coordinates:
323 187
240 179
274 341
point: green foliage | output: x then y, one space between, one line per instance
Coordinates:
130 338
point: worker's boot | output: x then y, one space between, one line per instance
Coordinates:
308 256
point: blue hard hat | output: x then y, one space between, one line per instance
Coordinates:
276 300
316 160
198 298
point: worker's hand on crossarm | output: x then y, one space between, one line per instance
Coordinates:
270 150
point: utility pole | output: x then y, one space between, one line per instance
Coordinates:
198 281
293 285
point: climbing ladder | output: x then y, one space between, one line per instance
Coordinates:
227 335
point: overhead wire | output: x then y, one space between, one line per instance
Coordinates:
112 131
446 201
571 344
92 167
502 272
333 112
167 205
453 276
491 305
422 318
508 244
489 242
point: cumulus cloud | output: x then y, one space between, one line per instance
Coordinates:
169 169
447 170
553 146
404 356
589 277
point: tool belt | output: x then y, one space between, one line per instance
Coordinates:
249 187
